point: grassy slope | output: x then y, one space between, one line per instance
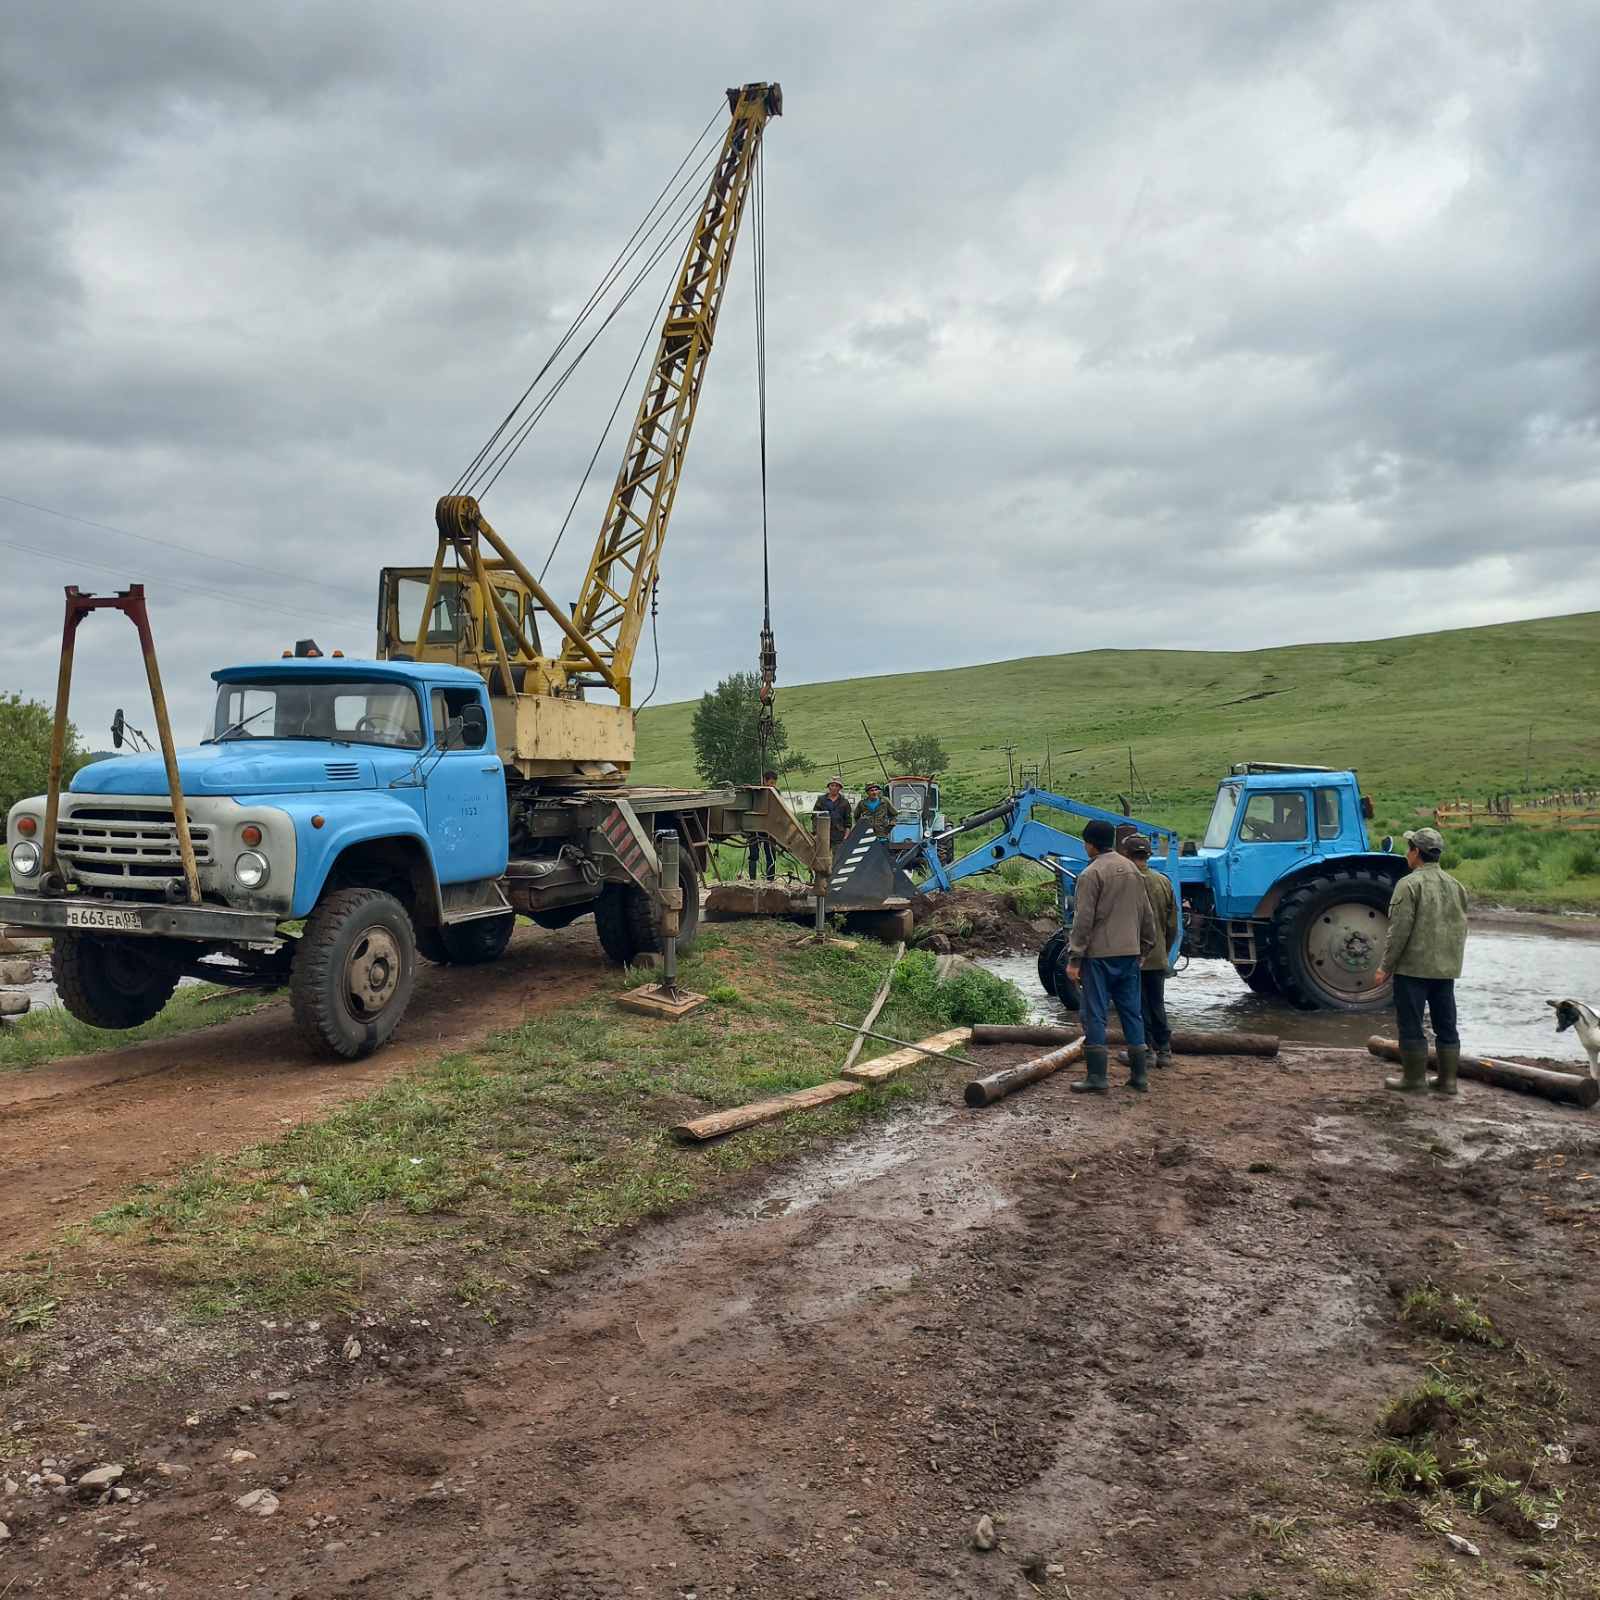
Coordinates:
1433 715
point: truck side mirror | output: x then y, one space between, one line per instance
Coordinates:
474 726
1367 811
119 725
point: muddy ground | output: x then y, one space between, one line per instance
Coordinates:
1149 1337
75 1135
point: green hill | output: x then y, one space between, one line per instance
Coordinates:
1425 717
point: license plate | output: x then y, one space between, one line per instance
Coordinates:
103 917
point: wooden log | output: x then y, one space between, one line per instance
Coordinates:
907 1056
721 1122
985 1091
1566 1088
1184 1042
873 1010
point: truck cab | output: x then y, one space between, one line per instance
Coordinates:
365 798
1285 885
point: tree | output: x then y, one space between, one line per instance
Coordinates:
726 747
25 749
920 753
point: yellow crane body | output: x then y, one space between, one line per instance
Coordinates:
479 606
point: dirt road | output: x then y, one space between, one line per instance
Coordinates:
77 1133
1126 1329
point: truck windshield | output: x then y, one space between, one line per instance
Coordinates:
351 710
1221 824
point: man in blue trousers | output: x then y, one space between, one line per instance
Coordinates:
1113 930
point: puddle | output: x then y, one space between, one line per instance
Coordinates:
1500 997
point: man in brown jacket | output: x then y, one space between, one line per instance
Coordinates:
1113 930
1158 891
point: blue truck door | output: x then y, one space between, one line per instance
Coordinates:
467 821
1271 836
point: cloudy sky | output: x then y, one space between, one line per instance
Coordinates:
1123 323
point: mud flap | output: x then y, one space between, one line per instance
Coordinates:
865 876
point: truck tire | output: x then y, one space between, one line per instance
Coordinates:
1258 976
1328 936
467 944
354 969
629 921
110 983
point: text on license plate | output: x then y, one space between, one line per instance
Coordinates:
102 917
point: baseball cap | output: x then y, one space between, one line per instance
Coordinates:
1135 844
1427 841
834 783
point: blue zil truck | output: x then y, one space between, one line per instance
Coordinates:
1284 883
346 818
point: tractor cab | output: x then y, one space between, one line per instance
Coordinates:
915 803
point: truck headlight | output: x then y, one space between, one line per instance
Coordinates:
251 869
25 858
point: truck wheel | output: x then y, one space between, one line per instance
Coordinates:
1328 938
110 983
354 968
629 921
467 944
1258 976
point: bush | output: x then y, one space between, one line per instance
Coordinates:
973 995
1584 862
1507 873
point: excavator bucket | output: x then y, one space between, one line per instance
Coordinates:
865 876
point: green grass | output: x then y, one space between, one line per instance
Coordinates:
1423 719
48 1035
519 1156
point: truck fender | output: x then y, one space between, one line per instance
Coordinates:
1393 867
357 853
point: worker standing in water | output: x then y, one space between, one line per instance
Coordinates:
1113 931
876 811
1427 941
1157 888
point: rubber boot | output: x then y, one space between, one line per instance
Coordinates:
1138 1076
1163 1058
1096 1060
1413 1077
1444 1081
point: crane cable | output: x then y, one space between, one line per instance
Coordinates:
769 648
660 208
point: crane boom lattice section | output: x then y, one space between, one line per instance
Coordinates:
611 606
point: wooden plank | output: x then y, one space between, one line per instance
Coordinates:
721 1122
898 1060
873 1010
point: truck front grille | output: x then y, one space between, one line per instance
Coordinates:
125 845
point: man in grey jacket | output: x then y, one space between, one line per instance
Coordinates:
1113 930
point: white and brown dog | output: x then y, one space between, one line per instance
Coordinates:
1575 1014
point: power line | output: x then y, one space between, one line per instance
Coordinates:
172 544
254 603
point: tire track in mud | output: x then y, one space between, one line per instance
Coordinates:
76 1133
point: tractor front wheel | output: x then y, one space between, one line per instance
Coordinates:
1053 977
1258 976
1328 937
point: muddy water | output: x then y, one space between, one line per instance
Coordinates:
1500 997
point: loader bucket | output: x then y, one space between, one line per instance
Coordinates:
865 876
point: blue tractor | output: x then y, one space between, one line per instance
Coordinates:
1283 883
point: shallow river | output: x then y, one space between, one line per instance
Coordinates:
1500 997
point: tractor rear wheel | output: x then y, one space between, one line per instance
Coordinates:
629 921
1328 937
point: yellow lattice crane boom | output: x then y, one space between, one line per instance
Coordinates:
482 608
